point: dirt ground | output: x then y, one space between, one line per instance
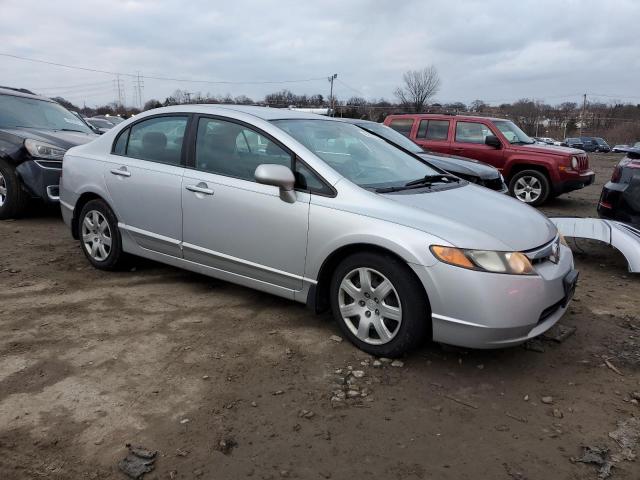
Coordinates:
225 382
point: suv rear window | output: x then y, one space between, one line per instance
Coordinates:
402 125
433 129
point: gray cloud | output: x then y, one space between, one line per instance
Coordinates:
492 50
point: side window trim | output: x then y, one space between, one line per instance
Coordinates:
332 191
183 151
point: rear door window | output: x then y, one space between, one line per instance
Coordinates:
433 129
157 139
402 125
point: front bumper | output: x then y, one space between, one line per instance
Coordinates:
41 178
575 182
487 310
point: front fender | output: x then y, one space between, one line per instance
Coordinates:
548 167
331 230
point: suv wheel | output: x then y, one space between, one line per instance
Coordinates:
530 186
99 236
379 304
13 200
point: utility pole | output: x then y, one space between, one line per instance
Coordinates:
331 102
138 85
584 108
119 88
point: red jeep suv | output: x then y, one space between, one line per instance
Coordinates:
534 172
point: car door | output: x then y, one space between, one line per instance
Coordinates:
433 135
234 224
144 179
468 141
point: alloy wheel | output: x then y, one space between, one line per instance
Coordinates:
3 190
96 235
528 189
370 306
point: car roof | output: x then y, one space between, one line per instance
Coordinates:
17 93
263 113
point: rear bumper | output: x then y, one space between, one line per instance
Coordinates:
41 179
613 204
575 182
485 310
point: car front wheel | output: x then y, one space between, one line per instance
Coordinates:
379 304
13 199
530 186
99 236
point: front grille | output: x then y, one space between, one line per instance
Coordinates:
542 253
583 162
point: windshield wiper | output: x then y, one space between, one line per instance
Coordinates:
69 130
429 179
425 181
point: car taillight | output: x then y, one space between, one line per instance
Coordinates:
617 174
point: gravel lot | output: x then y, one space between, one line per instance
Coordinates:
225 382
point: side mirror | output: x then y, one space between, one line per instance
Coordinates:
278 176
492 141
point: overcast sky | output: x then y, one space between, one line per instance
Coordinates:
498 51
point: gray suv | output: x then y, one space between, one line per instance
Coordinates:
324 213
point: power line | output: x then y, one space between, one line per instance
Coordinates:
153 77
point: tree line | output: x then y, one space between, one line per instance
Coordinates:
617 122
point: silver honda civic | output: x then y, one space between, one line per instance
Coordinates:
324 213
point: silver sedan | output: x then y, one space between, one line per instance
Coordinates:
324 213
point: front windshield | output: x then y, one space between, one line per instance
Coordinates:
512 132
23 112
391 135
356 154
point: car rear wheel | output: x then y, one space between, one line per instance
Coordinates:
530 186
99 236
379 304
13 199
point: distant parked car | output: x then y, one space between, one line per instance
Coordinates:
602 146
100 125
114 119
547 140
619 148
471 170
534 172
573 142
35 132
328 215
620 197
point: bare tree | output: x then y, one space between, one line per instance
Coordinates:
419 87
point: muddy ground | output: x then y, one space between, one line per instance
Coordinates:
225 382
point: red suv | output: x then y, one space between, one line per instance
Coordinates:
534 172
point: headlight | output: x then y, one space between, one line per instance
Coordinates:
44 150
514 263
574 163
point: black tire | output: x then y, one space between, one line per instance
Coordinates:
529 176
116 258
16 200
415 323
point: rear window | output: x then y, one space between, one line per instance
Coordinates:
402 125
433 129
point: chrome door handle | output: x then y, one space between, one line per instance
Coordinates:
200 188
122 172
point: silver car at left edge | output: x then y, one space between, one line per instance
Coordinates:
324 213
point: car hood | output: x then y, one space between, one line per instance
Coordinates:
461 165
476 218
547 149
58 138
